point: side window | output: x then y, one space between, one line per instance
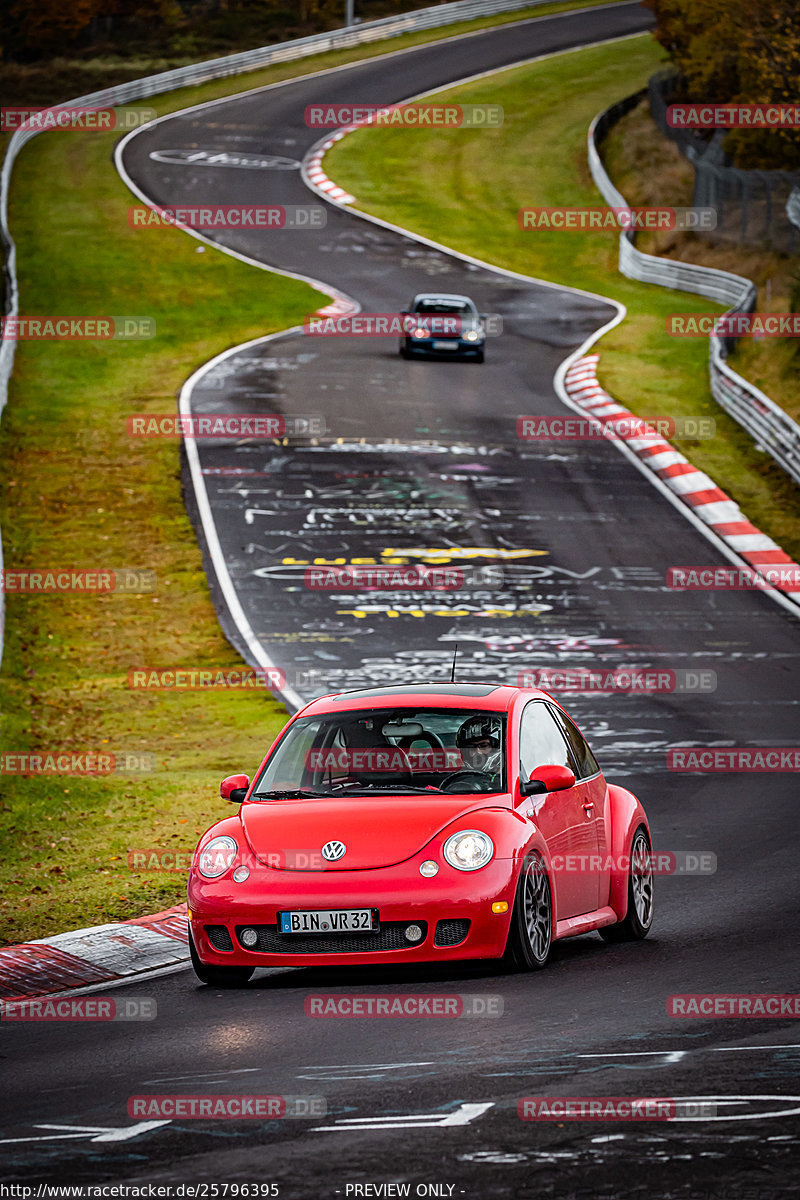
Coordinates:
585 760
541 741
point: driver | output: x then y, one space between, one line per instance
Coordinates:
479 740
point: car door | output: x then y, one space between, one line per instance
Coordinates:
567 827
593 791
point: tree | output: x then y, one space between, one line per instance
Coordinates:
32 30
744 51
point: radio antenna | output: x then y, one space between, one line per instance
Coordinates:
453 670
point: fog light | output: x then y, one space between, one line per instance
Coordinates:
413 933
429 869
241 873
500 906
249 938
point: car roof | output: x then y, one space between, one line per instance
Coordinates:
494 697
442 296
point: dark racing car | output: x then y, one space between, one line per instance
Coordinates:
443 326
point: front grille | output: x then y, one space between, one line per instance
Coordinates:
390 936
450 932
219 937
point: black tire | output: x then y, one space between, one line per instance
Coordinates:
405 352
218 976
479 357
530 934
639 917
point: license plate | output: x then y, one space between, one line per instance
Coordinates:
445 345
348 920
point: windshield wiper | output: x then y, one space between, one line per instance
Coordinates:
303 792
287 794
389 787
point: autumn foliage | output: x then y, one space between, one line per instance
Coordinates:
738 50
32 32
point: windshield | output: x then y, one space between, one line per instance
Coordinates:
445 306
364 751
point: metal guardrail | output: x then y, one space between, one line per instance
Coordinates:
772 429
219 68
750 202
793 207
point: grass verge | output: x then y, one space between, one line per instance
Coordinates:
464 188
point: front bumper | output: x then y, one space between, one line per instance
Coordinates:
400 894
459 346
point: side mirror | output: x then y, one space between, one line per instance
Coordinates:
547 778
234 788
404 312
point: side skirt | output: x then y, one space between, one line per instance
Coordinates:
585 923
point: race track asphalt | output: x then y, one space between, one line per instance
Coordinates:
595 1022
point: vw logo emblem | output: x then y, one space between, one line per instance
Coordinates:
333 851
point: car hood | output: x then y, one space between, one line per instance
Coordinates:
290 834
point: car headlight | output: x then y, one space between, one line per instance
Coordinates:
468 850
420 332
471 335
215 858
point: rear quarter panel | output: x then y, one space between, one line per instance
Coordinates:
625 814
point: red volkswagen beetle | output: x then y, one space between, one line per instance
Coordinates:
419 824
